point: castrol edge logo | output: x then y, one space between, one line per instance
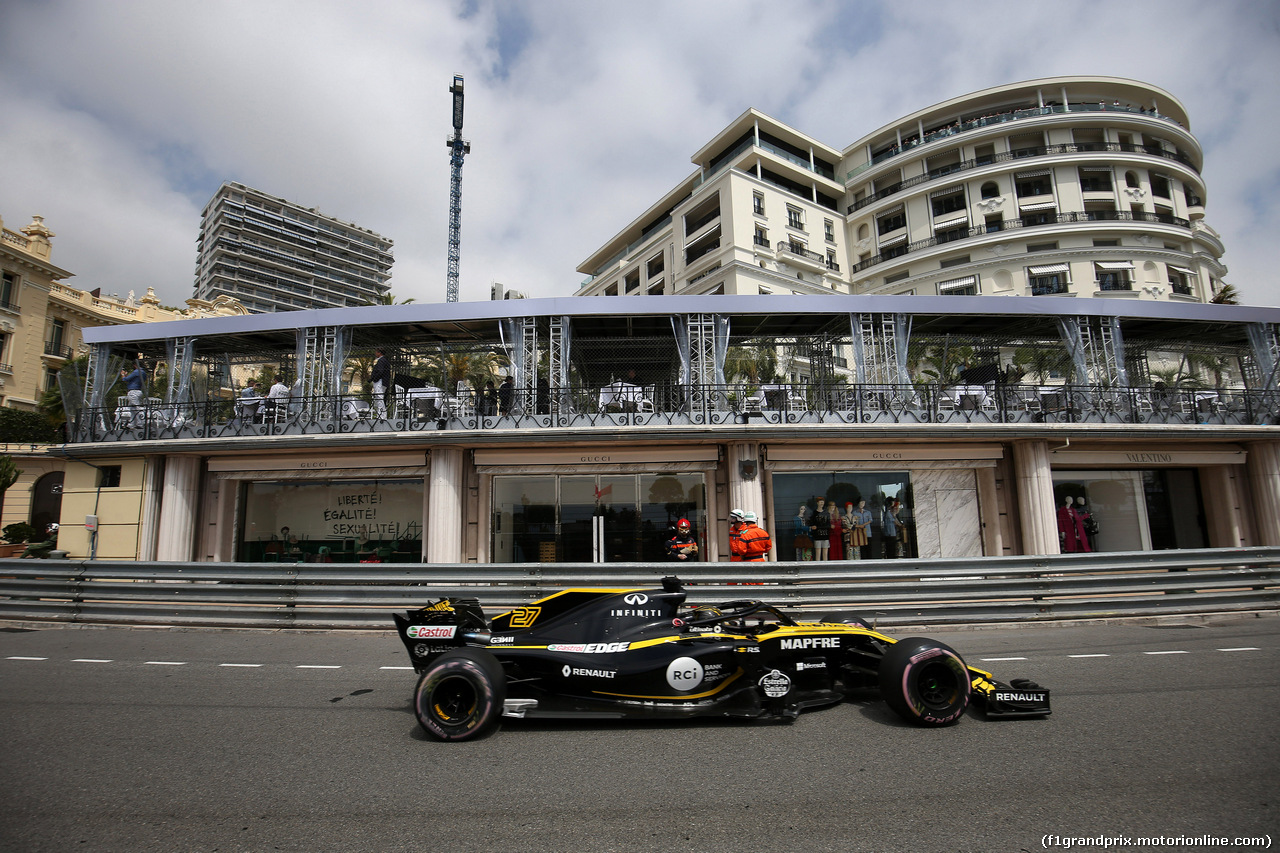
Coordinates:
431 632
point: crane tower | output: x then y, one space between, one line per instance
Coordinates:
458 148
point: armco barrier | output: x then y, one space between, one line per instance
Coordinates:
885 592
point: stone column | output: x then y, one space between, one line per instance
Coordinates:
989 512
444 506
1037 516
1263 464
744 493
179 502
1221 507
149 523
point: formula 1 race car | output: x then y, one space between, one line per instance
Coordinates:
614 653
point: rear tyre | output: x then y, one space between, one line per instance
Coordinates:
460 695
925 682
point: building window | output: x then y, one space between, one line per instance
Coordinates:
1042 247
891 221
1095 179
795 218
656 265
829 230
967 286
1131 180
1049 279
1114 275
1160 186
954 262
109 476
1034 184
990 189
758 203
947 201
890 279
1180 279
761 237
9 291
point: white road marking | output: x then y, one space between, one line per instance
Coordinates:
16 657
993 660
1242 649
90 660
1170 652
166 663
395 667
305 666
1089 656
247 665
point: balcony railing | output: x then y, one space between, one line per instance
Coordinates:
1010 156
1030 221
675 404
56 350
1000 118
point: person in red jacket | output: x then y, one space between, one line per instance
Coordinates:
747 542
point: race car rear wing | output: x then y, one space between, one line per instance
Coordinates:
430 631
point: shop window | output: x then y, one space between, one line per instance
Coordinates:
592 517
795 501
333 520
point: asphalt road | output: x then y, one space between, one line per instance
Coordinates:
167 740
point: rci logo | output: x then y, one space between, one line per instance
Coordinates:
635 599
684 673
523 617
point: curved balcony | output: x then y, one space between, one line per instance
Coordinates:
1021 154
1017 224
1000 118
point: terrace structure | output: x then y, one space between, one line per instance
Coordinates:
583 428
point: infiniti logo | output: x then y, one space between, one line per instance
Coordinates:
636 598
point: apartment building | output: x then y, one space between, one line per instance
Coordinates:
1080 186
275 255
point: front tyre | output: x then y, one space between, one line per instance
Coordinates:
925 682
460 695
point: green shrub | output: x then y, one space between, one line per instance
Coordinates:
19 427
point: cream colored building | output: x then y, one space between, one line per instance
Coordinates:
1080 186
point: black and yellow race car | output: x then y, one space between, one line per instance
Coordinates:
618 653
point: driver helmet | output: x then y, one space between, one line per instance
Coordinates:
737 516
705 611
683 526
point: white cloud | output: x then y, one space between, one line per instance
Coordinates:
580 114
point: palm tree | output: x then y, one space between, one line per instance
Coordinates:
387 298
754 364
1226 295
9 474
474 367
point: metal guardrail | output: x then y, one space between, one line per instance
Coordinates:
883 592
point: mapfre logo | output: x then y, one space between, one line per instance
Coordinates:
432 632
635 599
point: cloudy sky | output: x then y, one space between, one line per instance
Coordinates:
120 118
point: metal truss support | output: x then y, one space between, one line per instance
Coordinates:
1264 342
558 363
178 389
527 383
879 348
1096 349
702 358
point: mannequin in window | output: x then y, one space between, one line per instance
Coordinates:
820 525
889 530
803 541
1088 522
1071 535
836 539
857 521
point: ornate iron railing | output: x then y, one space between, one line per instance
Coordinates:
620 404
